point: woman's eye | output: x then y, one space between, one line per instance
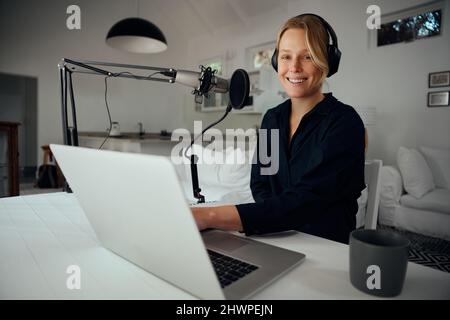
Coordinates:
284 57
307 57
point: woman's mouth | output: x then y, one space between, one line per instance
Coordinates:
296 80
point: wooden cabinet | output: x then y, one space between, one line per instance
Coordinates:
9 159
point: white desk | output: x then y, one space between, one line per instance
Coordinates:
41 235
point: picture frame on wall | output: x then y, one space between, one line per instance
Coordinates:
215 101
254 77
259 55
438 99
439 79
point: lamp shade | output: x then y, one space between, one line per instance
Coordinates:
136 35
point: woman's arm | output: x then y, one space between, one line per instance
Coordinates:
222 217
259 184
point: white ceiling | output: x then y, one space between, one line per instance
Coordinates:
197 17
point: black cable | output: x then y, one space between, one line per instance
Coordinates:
208 127
106 98
107 109
135 76
194 158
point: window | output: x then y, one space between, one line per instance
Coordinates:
410 28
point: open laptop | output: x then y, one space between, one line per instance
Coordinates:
137 208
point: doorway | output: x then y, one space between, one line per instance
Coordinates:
18 103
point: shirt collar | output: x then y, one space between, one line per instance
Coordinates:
322 108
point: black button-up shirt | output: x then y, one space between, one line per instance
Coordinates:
320 174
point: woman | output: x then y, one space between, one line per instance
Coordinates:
321 147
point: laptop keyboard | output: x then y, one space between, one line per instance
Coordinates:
228 269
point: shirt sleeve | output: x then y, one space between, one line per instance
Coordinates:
337 174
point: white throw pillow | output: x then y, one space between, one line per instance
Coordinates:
416 174
439 162
228 169
235 173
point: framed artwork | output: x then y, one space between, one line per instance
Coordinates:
255 78
215 101
259 55
438 99
439 79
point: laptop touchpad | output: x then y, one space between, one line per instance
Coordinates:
225 242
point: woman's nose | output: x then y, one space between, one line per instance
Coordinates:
295 65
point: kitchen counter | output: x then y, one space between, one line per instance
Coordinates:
149 143
127 135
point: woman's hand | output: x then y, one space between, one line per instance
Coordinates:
222 217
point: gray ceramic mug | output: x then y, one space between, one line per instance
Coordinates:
378 261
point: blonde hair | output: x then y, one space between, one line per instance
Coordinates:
316 40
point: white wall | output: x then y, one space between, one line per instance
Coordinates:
393 78
35 37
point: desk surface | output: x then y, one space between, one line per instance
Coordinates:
41 235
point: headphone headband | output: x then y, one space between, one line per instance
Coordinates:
327 26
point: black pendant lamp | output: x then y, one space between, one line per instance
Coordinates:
136 35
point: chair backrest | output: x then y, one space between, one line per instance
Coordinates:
372 171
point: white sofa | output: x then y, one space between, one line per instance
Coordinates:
415 194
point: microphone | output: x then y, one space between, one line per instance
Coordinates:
205 81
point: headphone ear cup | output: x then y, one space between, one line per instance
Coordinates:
275 60
334 57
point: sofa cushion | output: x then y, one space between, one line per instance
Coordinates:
435 200
439 162
224 175
362 205
391 187
416 174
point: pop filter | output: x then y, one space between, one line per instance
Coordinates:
239 88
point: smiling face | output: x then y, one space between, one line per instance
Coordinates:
297 72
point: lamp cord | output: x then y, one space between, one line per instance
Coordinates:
106 98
